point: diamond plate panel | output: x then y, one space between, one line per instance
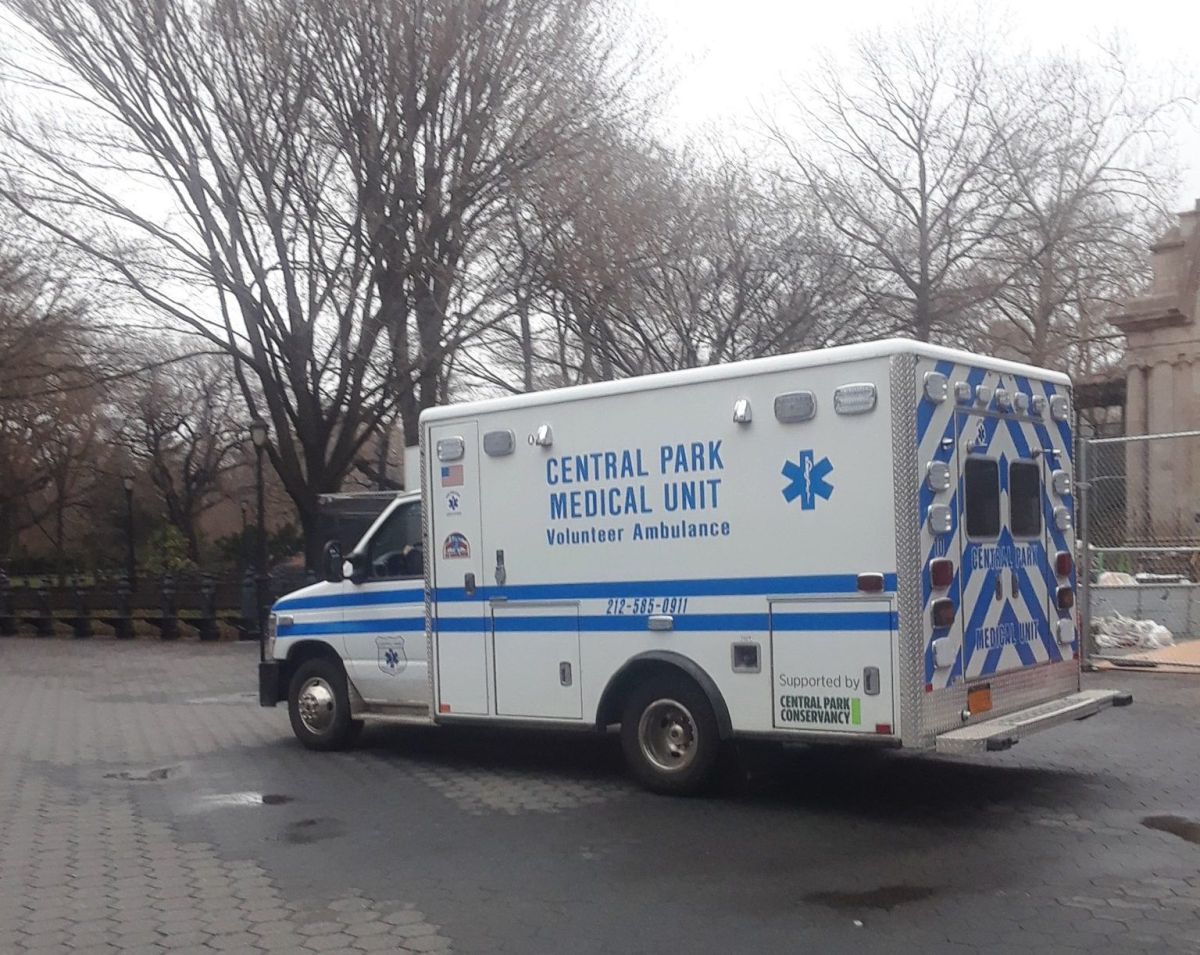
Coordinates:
908 556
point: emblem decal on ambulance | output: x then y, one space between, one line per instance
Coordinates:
806 480
392 658
453 503
456 546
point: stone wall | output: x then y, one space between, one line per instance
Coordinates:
1162 327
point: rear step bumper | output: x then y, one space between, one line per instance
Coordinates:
1004 731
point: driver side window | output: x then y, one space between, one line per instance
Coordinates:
395 550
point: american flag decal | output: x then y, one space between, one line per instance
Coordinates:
452 475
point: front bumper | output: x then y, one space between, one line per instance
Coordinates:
1003 732
270 683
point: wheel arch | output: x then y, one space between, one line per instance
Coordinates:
644 666
304 650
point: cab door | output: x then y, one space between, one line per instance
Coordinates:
1006 574
455 539
383 622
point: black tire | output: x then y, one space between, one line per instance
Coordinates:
328 725
681 765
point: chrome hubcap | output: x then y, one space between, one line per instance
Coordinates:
667 735
317 704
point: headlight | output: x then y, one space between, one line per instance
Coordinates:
272 628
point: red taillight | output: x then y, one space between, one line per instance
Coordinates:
941 573
1063 564
943 612
870 583
1066 598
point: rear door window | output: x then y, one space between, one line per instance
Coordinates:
981 477
1025 498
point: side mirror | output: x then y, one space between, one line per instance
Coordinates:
332 562
355 568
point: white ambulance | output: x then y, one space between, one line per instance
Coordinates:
870 543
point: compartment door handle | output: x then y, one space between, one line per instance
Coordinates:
871 681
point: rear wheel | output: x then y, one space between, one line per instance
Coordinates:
669 735
319 706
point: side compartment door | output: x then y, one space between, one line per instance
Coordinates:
456 557
536 651
833 664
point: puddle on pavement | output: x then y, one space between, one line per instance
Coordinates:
1176 825
156 775
306 831
886 897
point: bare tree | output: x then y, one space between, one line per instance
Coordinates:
636 258
184 429
441 108
898 151
47 394
1089 176
328 171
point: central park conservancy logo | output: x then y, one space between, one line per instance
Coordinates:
821 710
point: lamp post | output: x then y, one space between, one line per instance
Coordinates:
258 435
130 559
243 559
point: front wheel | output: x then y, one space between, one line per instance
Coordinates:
669 735
319 706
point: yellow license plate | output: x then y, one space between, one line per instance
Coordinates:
979 699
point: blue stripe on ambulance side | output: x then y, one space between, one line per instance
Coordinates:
412 624
371 598
789 622
714 587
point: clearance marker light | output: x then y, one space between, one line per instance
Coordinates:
937 475
936 387
1066 598
941 572
1063 564
870 583
943 612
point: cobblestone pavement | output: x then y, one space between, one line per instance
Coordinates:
148 804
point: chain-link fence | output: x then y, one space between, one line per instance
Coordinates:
1139 528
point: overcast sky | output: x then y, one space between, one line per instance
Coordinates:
731 55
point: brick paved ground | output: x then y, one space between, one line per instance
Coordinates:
147 804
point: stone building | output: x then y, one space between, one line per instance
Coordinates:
1162 327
